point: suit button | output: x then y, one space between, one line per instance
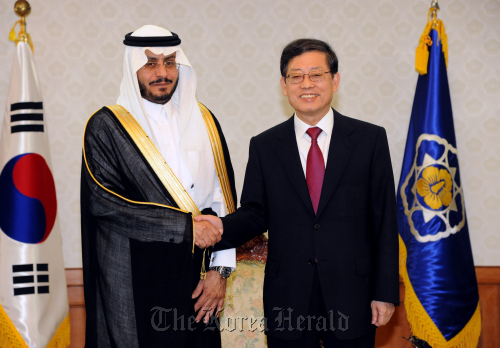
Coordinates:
311 262
316 227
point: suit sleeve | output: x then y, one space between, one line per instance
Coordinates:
227 257
250 220
384 223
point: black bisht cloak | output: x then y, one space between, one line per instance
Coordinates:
138 267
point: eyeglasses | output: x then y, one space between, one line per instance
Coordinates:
167 64
314 76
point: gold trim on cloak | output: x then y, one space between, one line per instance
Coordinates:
155 160
114 193
220 163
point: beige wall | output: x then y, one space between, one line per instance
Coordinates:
234 46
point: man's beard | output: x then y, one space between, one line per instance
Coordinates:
157 98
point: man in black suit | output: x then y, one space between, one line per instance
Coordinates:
322 184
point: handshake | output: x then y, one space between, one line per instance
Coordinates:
208 230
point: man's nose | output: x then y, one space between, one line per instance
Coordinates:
161 71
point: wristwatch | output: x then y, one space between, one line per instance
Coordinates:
224 272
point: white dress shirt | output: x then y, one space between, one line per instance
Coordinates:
164 121
304 140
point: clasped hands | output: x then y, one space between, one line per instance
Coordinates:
208 230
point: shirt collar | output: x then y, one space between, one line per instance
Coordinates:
326 124
153 110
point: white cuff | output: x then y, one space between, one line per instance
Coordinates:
226 258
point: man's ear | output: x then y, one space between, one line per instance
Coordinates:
336 82
283 85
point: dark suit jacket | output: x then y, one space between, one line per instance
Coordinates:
353 236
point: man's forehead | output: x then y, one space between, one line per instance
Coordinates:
309 67
150 54
311 60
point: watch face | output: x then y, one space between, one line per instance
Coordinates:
225 272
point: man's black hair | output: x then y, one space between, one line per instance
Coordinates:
297 47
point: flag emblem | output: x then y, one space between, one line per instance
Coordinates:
432 193
28 278
27 190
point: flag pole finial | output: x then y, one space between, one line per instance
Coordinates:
435 5
22 8
433 9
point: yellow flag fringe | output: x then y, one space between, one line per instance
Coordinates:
10 337
422 325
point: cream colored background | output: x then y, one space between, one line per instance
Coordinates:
235 46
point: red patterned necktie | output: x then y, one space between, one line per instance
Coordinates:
315 169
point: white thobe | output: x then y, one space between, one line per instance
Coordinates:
164 122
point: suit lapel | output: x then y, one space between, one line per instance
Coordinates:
287 152
338 156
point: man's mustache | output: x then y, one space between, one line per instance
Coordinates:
160 80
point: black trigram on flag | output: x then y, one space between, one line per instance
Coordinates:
40 280
26 111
